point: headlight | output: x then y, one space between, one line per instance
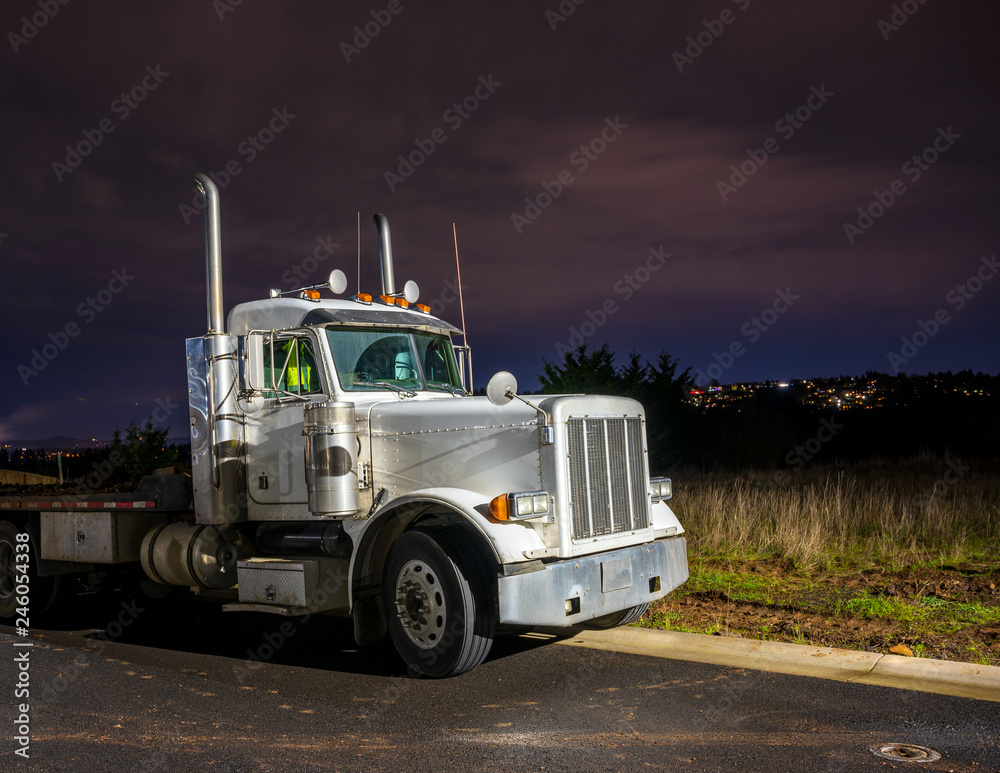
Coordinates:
661 488
525 504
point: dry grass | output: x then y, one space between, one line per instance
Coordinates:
924 510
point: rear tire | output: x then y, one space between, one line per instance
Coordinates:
615 619
42 591
438 602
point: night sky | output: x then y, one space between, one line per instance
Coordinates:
654 176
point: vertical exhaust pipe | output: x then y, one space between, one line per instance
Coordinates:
217 457
213 252
385 251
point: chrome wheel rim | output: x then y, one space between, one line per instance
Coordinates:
420 604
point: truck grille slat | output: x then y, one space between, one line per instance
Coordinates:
607 475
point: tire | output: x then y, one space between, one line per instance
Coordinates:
42 591
438 602
615 619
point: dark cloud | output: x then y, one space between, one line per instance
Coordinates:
222 81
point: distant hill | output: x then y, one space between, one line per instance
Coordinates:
58 443
63 443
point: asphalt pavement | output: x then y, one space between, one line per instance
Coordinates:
181 689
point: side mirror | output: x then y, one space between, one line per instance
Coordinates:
502 388
337 281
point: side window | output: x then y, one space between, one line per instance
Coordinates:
290 367
438 360
435 364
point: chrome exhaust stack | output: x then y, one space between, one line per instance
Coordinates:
217 466
385 251
213 253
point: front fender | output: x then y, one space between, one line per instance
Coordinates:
663 520
507 541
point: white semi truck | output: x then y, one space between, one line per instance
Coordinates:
340 465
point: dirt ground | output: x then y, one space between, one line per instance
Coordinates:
950 613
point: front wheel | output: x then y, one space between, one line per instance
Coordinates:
438 602
615 619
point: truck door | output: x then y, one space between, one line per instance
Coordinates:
293 376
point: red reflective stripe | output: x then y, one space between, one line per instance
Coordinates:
141 505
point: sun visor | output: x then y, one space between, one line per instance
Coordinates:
377 317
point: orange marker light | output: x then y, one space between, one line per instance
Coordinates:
500 508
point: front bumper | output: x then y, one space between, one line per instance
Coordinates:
575 590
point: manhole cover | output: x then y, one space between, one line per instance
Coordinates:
905 752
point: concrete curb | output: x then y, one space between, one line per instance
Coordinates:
963 680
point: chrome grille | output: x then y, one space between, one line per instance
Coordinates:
607 475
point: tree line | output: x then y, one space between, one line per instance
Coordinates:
774 428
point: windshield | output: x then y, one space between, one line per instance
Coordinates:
369 358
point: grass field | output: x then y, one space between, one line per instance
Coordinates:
923 510
865 556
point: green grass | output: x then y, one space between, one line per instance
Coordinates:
814 551
737 586
943 616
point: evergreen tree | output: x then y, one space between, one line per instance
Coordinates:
656 385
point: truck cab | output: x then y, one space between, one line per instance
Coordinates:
341 465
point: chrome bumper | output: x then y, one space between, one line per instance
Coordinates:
575 590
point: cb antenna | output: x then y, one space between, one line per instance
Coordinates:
466 351
461 303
